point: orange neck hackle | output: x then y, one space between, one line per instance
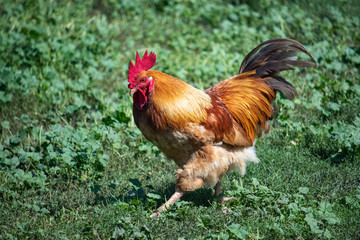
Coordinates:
176 102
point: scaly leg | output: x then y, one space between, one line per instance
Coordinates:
218 192
178 194
217 189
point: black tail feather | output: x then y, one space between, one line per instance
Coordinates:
275 51
280 84
276 55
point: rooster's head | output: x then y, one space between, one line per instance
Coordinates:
141 85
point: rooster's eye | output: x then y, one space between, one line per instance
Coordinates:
143 79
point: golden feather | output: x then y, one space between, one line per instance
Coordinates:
248 100
176 103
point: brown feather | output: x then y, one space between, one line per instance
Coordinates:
174 103
247 100
219 119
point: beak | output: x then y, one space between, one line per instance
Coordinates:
132 91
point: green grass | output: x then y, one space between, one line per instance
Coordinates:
73 165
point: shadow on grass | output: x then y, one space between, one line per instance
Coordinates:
200 197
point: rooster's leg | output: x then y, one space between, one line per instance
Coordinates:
178 194
217 189
223 199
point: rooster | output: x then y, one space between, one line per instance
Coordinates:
208 133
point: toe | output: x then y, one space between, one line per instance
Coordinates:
225 199
155 214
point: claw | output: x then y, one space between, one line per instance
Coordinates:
225 210
223 199
178 194
155 214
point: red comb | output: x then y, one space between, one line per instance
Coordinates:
144 64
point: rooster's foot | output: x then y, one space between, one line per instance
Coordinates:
155 214
225 199
178 194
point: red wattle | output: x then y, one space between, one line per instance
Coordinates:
140 99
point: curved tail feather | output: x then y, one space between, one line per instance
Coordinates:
273 56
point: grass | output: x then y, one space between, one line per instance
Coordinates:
73 165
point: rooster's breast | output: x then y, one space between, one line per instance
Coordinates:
179 145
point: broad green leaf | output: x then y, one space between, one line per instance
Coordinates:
5 124
238 231
5 97
313 223
303 190
153 196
